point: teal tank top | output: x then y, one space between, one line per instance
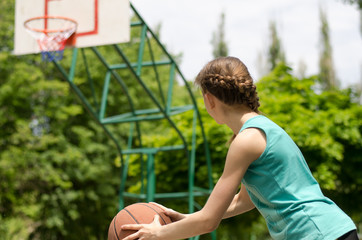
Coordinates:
282 188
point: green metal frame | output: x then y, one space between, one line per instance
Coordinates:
97 108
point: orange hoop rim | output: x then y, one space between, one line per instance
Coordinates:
50 30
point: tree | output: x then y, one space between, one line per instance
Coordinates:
55 162
326 67
220 48
53 179
275 51
58 178
358 3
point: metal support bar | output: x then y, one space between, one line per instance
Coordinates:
170 88
104 95
151 178
89 77
159 85
143 64
127 117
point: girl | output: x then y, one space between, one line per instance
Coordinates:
274 175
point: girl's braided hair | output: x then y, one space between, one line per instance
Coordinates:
228 79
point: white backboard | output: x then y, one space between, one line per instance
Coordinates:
100 22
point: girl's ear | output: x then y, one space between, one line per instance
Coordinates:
210 100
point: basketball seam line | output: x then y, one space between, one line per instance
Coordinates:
114 226
154 211
131 216
115 230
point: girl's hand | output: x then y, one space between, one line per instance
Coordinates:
175 216
144 231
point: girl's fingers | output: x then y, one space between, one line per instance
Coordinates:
171 213
156 220
175 216
159 205
137 227
132 236
134 227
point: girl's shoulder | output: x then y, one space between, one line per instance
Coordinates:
251 142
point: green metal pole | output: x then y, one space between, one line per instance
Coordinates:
192 164
141 50
104 95
90 80
154 65
72 67
170 88
151 178
125 169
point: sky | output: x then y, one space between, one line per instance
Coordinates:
188 25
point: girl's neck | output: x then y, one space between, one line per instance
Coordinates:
236 118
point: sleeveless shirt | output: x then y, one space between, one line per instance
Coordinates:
283 189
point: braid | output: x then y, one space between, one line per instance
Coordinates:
229 80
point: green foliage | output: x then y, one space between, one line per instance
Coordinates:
59 173
54 160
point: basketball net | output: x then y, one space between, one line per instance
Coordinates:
51 34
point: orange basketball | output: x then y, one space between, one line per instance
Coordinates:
133 214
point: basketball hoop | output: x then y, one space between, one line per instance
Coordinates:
51 33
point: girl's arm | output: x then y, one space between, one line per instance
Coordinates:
246 147
240 204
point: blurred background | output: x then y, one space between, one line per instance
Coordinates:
60 174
